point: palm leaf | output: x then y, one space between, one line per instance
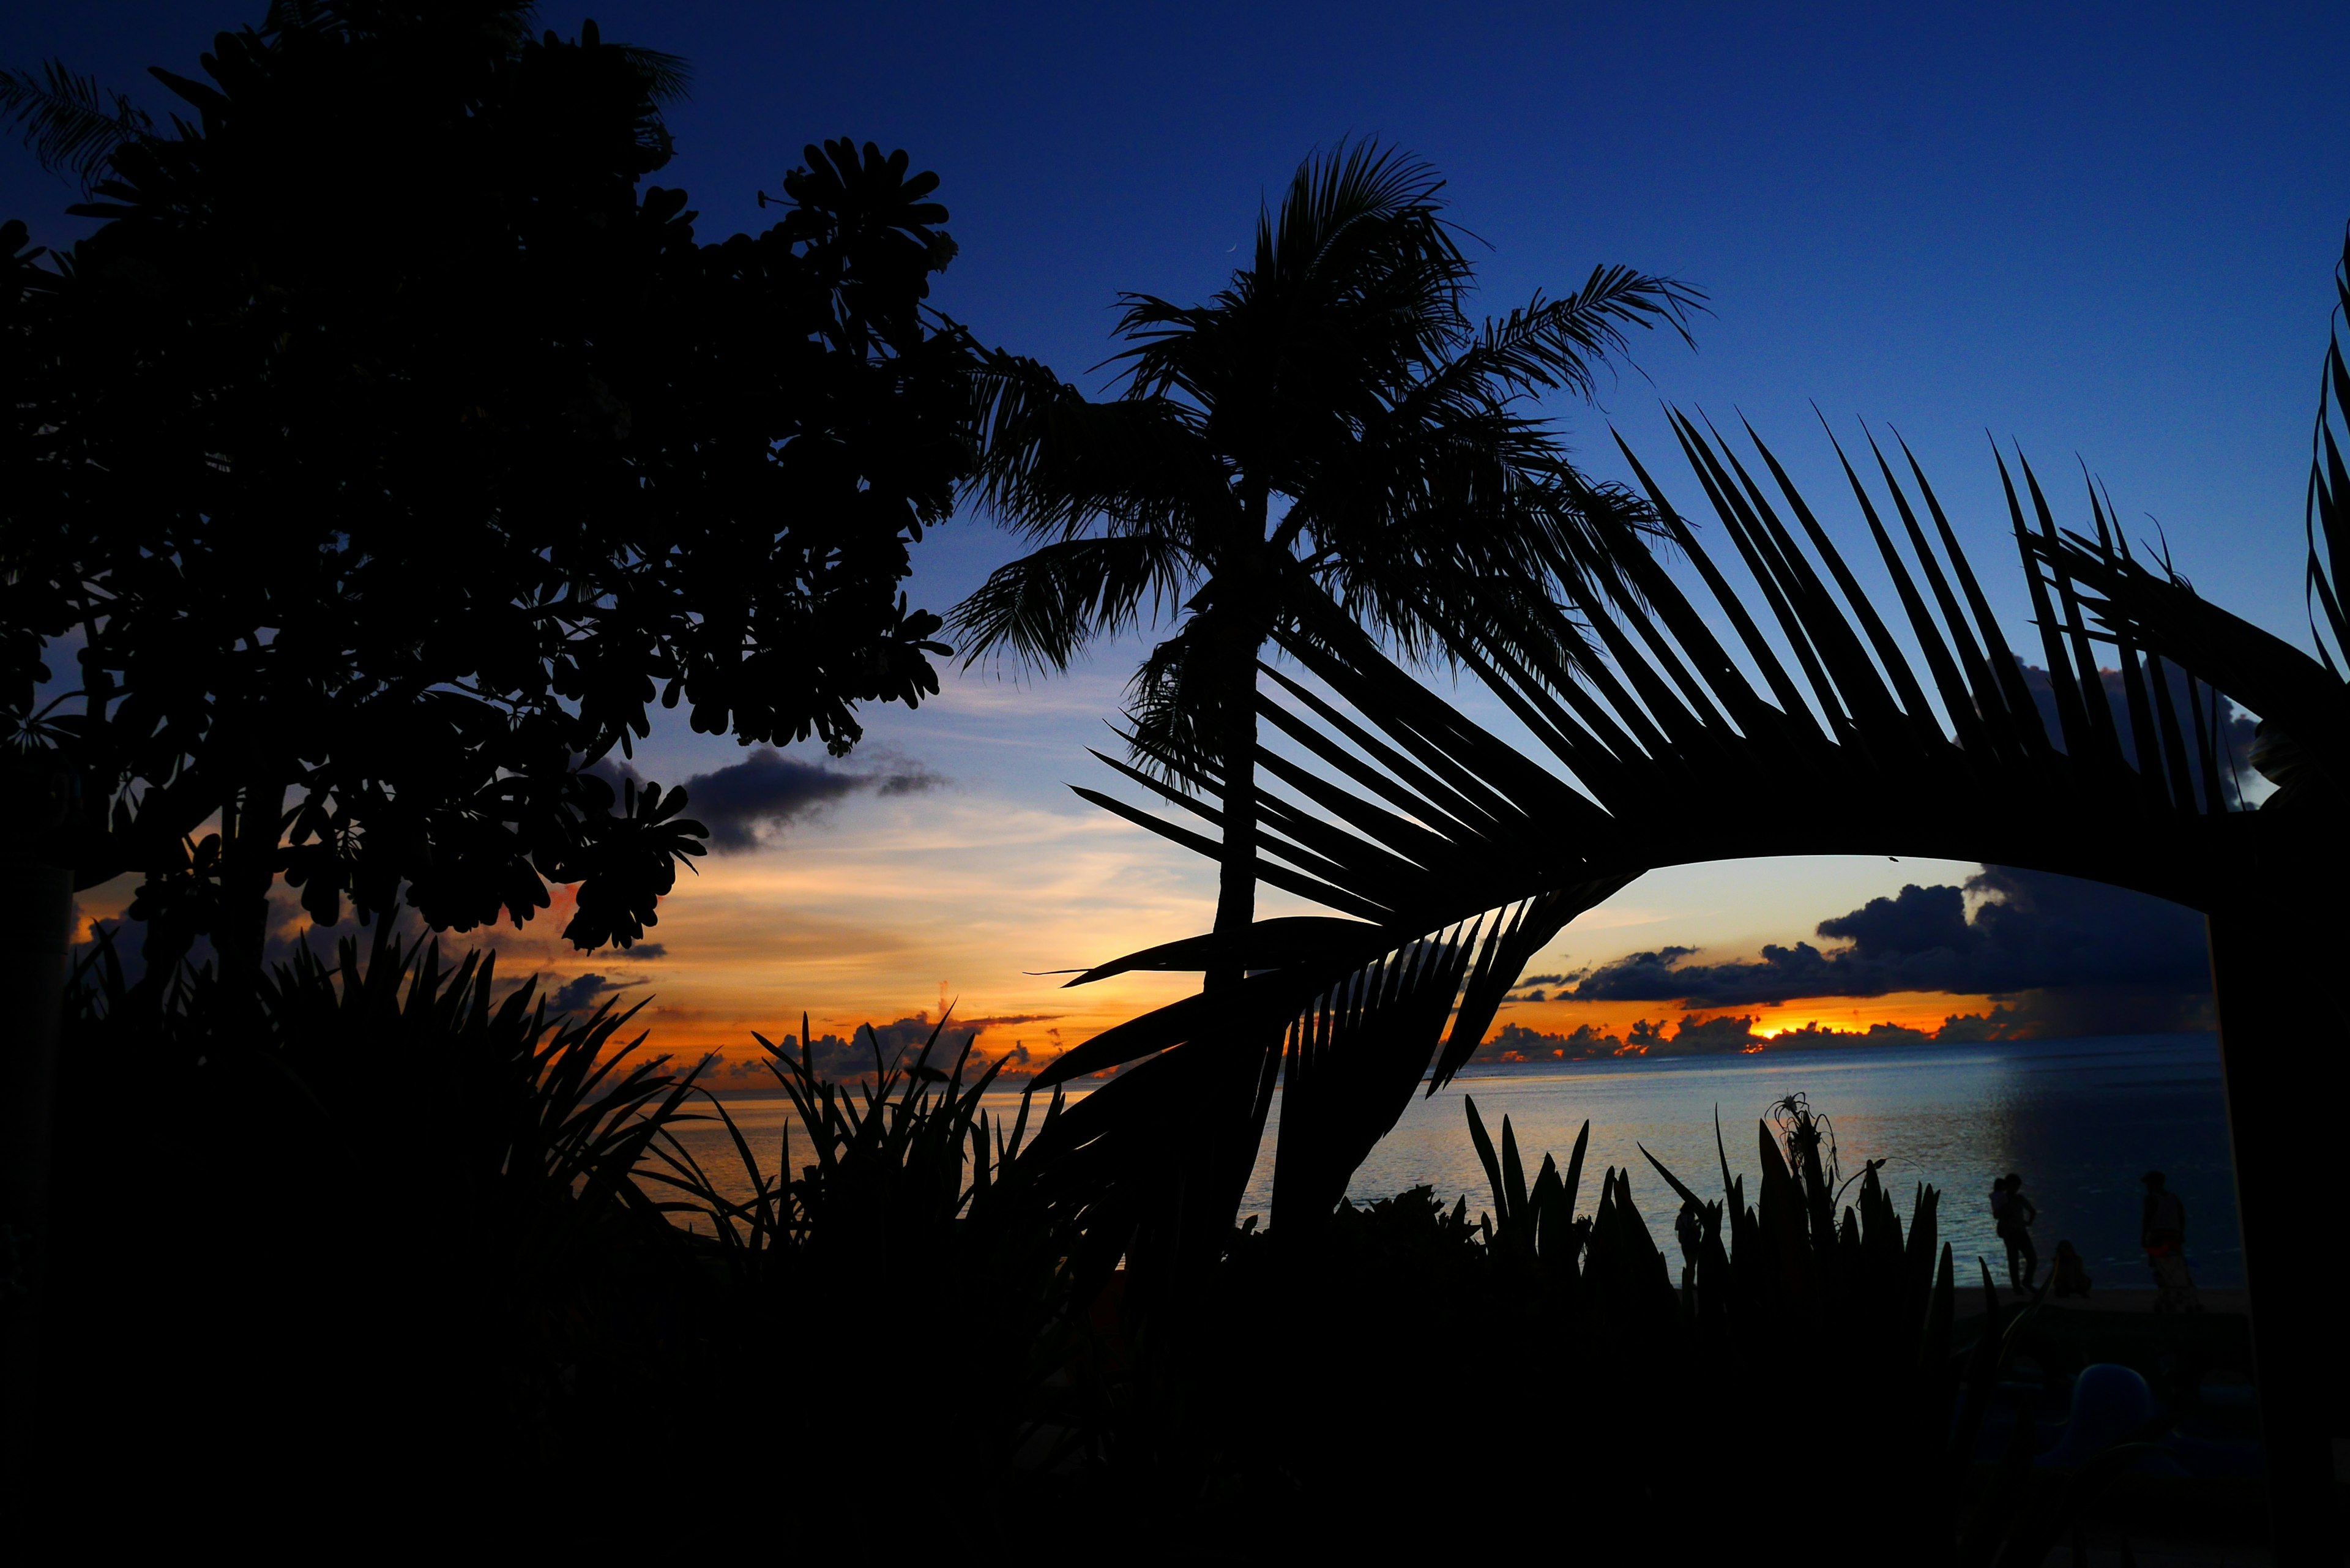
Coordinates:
70 125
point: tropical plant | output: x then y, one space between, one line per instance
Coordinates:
1807 726
914 1220
389 1194
901 1157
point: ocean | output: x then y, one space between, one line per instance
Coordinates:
2080 1120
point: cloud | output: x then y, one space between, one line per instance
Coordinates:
2107 960
747 801
1722 1036
900 1042
1005 1019
1516 1043
2233 734
1814 1036
746 804
581 993
1732 1035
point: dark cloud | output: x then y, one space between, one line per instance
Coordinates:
1722 1036
582 994
1516 1043
2081 956
744 805
743 802
1547 979
1695 1036
1732 1035
2231 735
2030 930
1813 1036
904 775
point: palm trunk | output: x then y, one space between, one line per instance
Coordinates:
2285 1048
1236 871
1216 1169
1239 633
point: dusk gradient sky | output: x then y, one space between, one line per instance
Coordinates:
2105 236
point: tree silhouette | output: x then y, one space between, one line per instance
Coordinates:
1333 423
1776 707
392 447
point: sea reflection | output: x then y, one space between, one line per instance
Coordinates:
2081 1119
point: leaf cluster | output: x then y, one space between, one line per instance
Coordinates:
392 448
1334 421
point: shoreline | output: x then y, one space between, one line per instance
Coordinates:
2228 1301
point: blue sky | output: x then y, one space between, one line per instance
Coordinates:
2107 233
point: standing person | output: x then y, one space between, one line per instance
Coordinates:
2162 1231
2015 1218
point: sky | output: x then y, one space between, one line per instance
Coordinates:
2104 237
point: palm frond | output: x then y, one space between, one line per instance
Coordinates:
72 126
1055 464
669 78
1043 607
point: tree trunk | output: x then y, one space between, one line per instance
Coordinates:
248 869
2286 1047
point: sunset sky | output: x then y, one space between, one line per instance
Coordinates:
2107 237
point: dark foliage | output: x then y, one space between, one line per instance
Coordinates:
379 1235
392 447
1668 1404
909 1289
389 1243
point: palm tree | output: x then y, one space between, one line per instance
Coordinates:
1332 426
1787 717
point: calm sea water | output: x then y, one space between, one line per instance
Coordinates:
2080 1120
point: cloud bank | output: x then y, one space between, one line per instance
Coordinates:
2083 948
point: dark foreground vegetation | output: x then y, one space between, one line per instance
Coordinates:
418 1252
375 1240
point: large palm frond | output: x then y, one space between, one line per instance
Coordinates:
1815 730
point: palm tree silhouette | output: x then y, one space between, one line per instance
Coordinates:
1333 423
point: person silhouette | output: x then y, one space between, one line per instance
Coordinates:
2066 1277
2162 1231
2012 1213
